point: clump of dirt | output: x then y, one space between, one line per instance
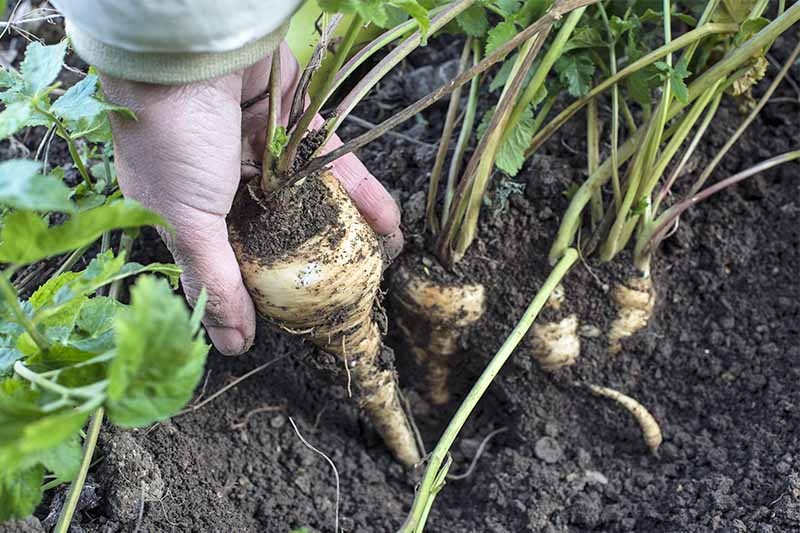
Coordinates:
276 224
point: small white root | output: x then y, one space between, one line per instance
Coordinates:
556 297
556 344
635 300
650 428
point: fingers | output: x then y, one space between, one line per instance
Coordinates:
181 158
201 248
373 201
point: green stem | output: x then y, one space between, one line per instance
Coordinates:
721 69
371 48
701 130
431 220
11 300
318 99
391 60
73 149
76 487
665 221
593 159
612 60
269 180
414 523
543 69
125 245
652 57
464 136
746 123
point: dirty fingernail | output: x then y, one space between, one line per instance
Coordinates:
228 341
393 243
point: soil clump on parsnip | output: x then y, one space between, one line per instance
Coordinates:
277 224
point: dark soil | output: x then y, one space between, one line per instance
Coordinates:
275 225
719 367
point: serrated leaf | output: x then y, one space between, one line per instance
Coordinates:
575 72
41 65
26 238
160 356
500 79
511 154
8 78
82 111
23 187
20 492
676 80
509 7
499 35
107 268
473 21
14 117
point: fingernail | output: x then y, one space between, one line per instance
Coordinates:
228 341
393 244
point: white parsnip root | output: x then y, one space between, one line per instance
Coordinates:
647 422
325 289
556 344
635 300
433 318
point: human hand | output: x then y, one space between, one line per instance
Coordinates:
182 158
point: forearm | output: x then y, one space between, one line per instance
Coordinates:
157 41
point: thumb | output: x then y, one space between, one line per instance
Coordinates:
201 248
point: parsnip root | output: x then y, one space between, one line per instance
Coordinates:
556 344
650 428
433 319
325 289
635 301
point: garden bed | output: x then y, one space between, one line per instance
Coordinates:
719 367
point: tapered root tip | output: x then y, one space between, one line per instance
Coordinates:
651 431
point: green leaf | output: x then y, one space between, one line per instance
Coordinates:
733 10
278 142
23 187
502 75
509 7
63 460
499 35
97 315
26 238
418 13
473 21
582 38
82 111
8 355
160 356
575 72
20 492
105 269
41 65
29 435
511 154
15 117
676 80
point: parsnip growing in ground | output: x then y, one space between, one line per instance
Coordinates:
310 261
433 318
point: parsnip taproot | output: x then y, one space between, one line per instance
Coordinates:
434 317
324 289
556 344
651 431
635 300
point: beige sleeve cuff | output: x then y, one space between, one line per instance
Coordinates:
170 68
